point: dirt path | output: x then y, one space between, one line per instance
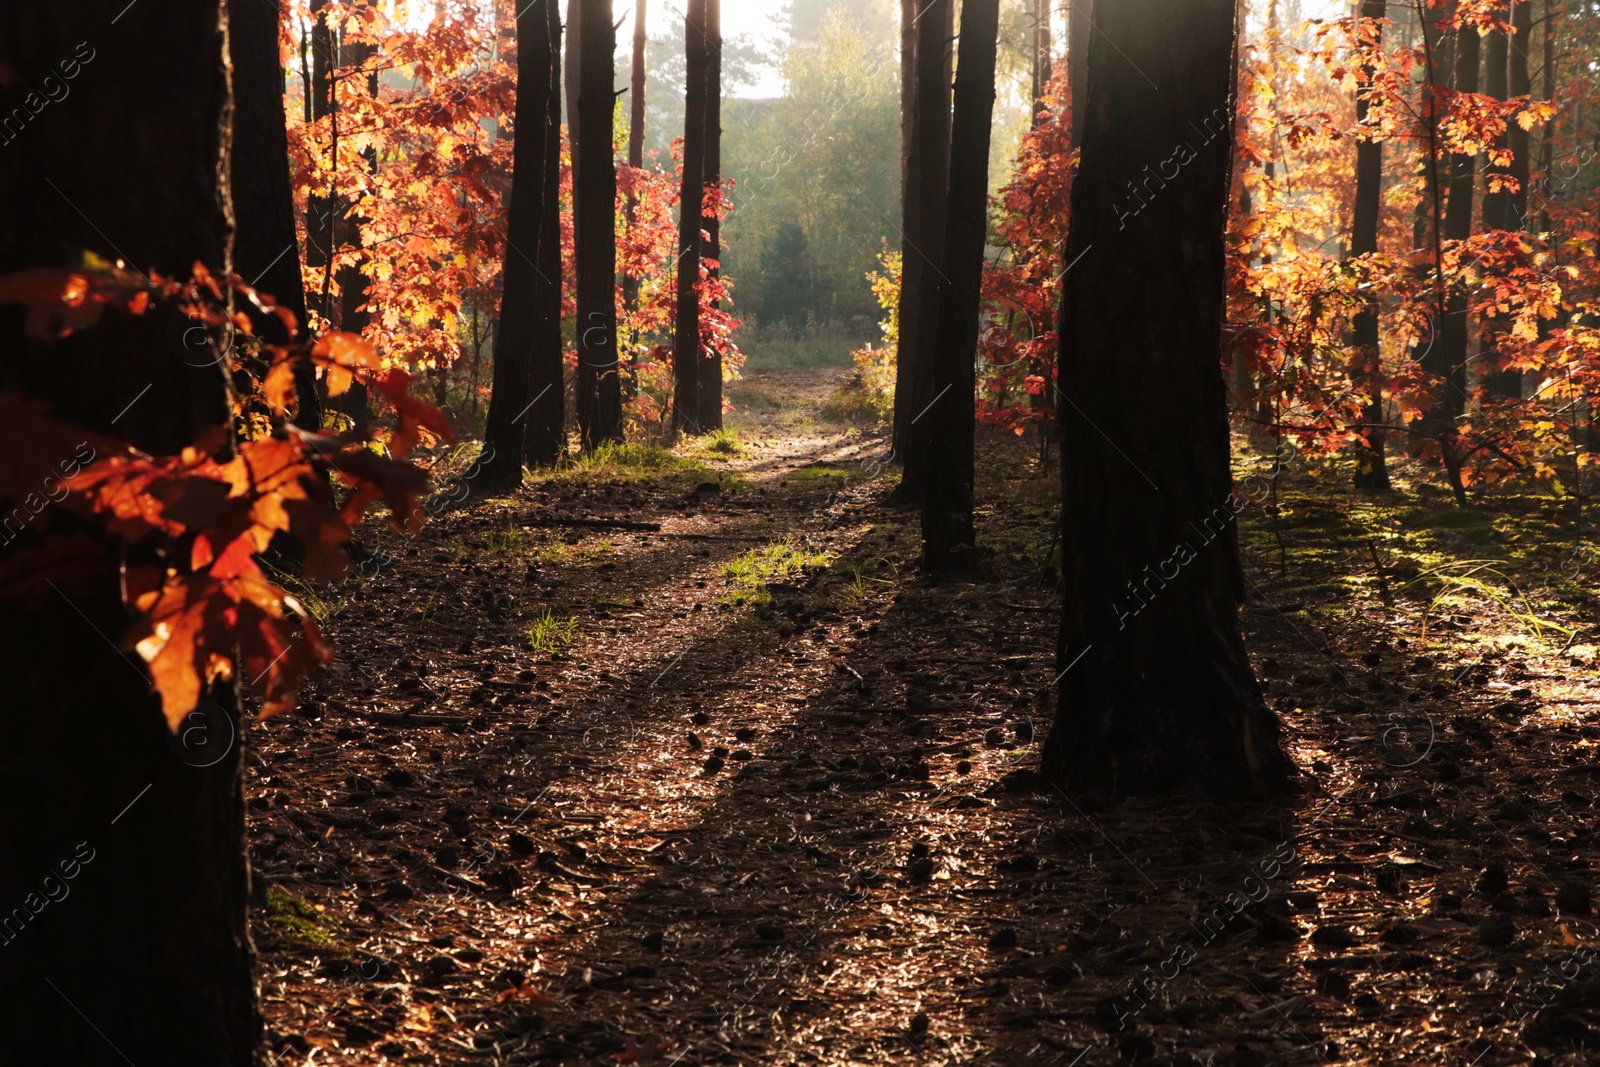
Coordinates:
773 823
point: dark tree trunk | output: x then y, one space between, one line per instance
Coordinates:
636 102
1372 470
686 413
923 249
711 361
546 438
1043 60
1509 382
123 879
1447 360
1497 212
266 252
908 74
1078 29
595 227
1156 693
948 538
511 394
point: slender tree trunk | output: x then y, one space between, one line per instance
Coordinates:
266 251
546 438
123 875
930 163
1497 214
595 225
711 360
1447 360
636 101
1156 693
948 537
511 394
574 62
1372 471
686 406
908 74
1517 85
1043 59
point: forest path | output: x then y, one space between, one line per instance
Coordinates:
766 816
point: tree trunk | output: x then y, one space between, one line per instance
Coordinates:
546 438
123 876
1372 470
1497 208
1156 693
948 537
926 199
686 414
1447 360
511 394
1043 61
595 227
710 397
1079 26
636 102
266 250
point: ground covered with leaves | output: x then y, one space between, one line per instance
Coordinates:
676 758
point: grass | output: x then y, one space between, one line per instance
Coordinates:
551 634
506 542
819 476
798 354
637 462
751 573
289 922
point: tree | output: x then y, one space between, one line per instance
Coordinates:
547 422
1497 193
636 113
1043 58
948 536
1372 472
926 192
152 830
686 406
266 251
595 229
710 393
1156 693
512 397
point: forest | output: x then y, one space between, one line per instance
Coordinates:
831 532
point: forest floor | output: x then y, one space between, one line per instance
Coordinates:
744 789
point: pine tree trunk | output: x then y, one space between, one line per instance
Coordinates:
1156 693
123 878
595 226
266 250
1497 213
686 406
948 538
636 105
930 166
511 394
1372 470
1447 360
711 360
546 438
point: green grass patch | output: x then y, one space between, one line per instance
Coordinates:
806 353
507 542
818 477
552 634
635 462
751 573
288 922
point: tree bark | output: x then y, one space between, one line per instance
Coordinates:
595 226
686 413
1043 61
1372 470
711 358
926 198
1156 693
948 538
511 394
266 250
636 112
123 878
546 438
1447 360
